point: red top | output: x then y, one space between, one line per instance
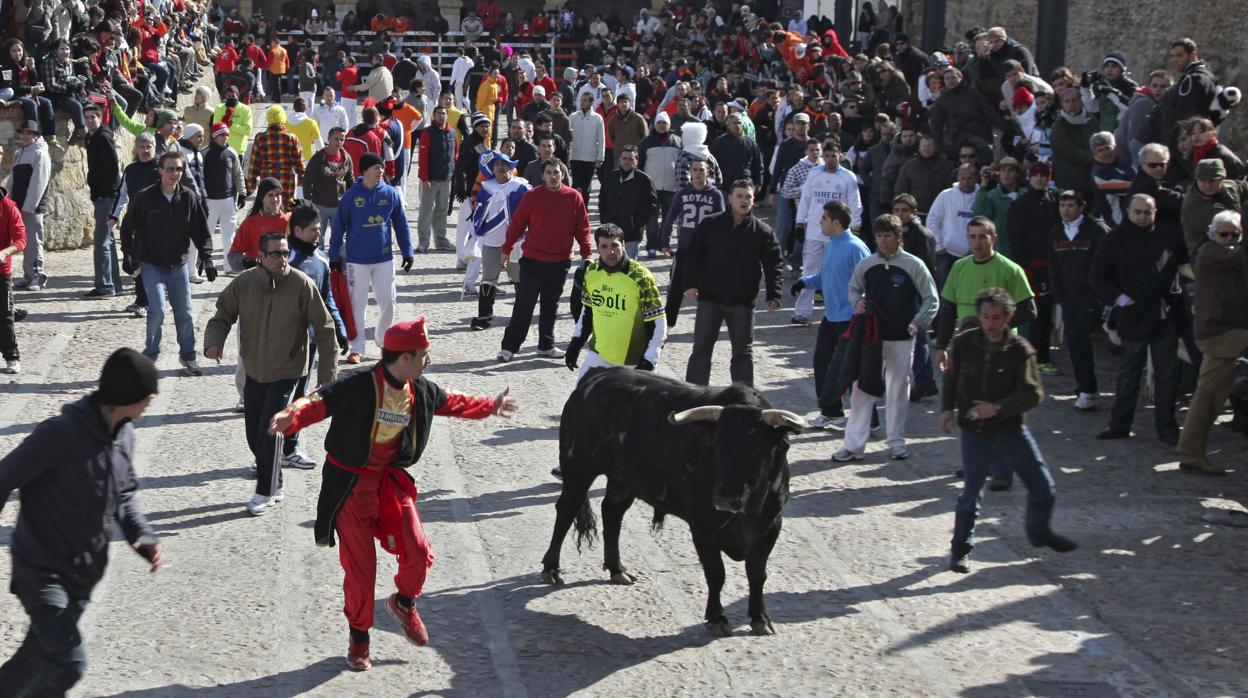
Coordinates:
553 221
349 77
12 231
247 239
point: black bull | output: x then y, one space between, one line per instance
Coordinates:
714 457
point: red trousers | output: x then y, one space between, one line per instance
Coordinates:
357 526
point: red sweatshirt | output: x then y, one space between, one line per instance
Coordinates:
553 221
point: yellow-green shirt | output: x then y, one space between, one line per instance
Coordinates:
621 302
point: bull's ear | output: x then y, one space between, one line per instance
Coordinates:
784 419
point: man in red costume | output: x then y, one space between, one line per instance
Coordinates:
379 424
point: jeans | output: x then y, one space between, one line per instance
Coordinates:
538 280
982 451
53 657
785 215
706 324
32 256
944 263
1079 320
632 248
39 109
924 377
260 402
74 108
1164 349
825 346
107 262
160 70
582 177
432 221
172 283
658 228
1040 330
8 335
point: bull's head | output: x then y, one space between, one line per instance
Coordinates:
747 442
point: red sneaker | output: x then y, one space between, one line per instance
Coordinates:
357 656
413 627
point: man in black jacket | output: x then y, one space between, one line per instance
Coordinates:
729 253
103 176
1135 270
738 156
76 476
1151 180
1030 219
1196 93
628 199
920 242
159 225
1071 243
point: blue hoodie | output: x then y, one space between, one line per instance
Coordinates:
370 218
840 255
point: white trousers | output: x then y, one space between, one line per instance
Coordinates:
812 263
348 103
221 213
379 278
898 356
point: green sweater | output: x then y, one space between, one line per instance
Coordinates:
995 203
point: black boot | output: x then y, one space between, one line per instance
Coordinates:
485 307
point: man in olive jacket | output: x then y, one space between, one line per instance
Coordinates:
991 382
274 305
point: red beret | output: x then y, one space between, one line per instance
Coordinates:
1040 168
407 336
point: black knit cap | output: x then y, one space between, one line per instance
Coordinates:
128 377
369 160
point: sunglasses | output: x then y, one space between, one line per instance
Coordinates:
1228 236
1155 165
277 253
172 169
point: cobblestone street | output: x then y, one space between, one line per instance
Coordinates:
858 585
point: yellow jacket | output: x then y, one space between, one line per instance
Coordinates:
307 131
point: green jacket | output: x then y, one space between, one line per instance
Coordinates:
1072 153
995 204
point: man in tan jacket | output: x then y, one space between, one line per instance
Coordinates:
626 127
276 307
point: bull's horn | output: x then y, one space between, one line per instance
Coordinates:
783 418
705 413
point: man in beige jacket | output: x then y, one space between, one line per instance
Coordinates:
380 81
275 306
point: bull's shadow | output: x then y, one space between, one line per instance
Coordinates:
584 651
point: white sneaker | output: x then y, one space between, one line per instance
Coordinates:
260 503
899 453
12 366
239 407
197 279
1085 402
191 367
504 355
298 460
845 456
824 422
552 353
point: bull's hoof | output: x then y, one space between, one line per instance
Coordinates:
719 628
623 577
763 626
551 577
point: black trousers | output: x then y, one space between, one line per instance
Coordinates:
53 657
1164 348
740 321
582 177
260 402
676 289
539 281
825 347
290 444
8 337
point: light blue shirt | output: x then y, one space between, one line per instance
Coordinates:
840 255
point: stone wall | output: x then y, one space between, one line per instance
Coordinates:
70 220
1141 29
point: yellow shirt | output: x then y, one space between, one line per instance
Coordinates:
309 135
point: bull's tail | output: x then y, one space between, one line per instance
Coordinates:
656 523
586 526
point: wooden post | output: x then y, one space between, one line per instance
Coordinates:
933 25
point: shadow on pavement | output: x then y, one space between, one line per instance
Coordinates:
286 684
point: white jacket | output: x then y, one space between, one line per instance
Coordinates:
589 137
327 117
821 187
947 220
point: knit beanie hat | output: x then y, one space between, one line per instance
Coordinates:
1023 98
128 377
369 160
1116 58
